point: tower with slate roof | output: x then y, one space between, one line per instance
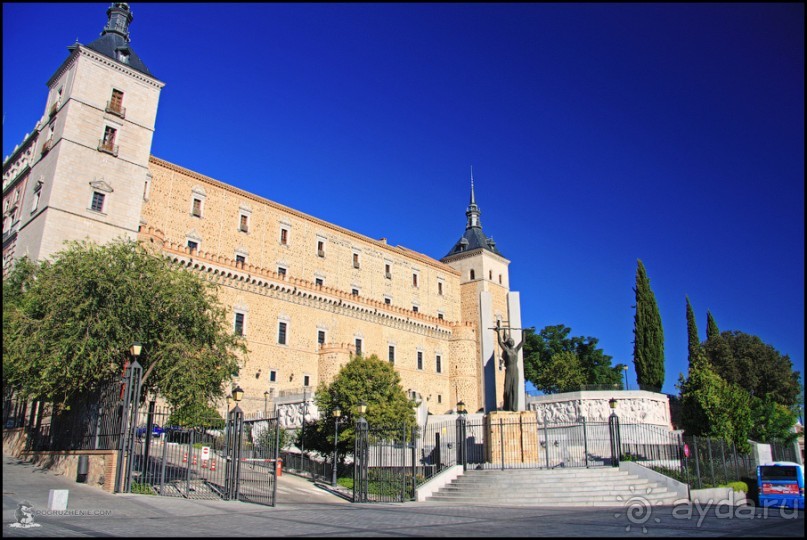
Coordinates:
89 173
486 298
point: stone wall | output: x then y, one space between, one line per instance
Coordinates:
633 407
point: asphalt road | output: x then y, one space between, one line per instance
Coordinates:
304 509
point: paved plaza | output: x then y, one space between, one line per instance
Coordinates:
304 509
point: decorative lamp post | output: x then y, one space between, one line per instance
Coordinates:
337 412
461 434
613 431
235 426
136 349
625 369
360 452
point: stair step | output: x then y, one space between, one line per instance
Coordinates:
551 487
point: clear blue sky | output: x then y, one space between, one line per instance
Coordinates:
598 135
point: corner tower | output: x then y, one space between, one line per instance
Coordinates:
485 298
89 168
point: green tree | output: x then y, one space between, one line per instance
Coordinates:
711 326
648 344
363 379
712 407
772 421
563 373
747 361
694 343
539 349
76 316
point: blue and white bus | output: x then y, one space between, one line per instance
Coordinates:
781 485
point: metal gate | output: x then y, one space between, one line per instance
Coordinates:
233 460
384 463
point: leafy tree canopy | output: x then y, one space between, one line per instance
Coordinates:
712 407
563 373
760 369
367 379
591 364
72 320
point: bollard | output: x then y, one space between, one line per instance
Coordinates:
83 468
57 500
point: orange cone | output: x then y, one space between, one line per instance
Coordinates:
212 465
204 463
185 458
194 460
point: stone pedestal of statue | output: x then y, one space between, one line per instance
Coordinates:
511 436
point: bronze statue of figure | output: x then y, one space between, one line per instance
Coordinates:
510 361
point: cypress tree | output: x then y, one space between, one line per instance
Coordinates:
648 343
712 330
692 334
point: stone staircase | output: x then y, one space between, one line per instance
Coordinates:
597 486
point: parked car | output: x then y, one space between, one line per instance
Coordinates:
156 431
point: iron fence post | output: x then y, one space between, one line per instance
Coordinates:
501 441
585 437
613 432
697 462
413 456
711 460
360 462
546 442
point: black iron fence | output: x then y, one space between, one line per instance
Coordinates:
91 421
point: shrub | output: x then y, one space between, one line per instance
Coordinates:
738 486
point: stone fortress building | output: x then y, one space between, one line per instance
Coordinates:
305 293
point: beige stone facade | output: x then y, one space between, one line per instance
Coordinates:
304 292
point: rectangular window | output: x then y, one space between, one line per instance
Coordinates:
196 210
440 288
320 248
97 201
306 380
109 138
243 226
284 236
193 246
415 309
500 279
414 280
392 354
281 333
358 347
356 260
321 337
281 271
239 324
387 273
272 375
319 281
387 301
240 260
116 102
438 364
420 360
355 292
439 398
439 315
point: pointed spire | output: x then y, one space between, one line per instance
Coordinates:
473 211
473 199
